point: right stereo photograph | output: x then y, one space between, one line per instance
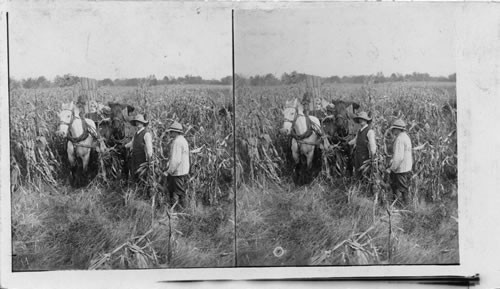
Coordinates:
346 136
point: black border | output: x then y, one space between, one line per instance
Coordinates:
451 280
235 185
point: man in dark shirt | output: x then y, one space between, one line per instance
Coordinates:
141 145
364 143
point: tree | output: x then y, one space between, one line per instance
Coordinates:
29 83
132 82
66 80
152 80
42 82
240 80
270 79
379 77
452 77
333 79
106 82
227 80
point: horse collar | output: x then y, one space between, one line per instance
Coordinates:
85 133
308 131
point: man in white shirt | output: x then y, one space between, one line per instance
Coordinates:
141 145
364 143
178 165
401 163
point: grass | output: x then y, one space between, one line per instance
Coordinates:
75 228
311 220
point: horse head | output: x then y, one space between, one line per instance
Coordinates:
118 128
290 113
119 116
66 116
337 125
328 126
105 130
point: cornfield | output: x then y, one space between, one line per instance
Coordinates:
40 169
323 222
331 221
430 112
37 153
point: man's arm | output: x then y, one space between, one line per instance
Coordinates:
398 155
372 142
148 140
353 141
129 144
175 158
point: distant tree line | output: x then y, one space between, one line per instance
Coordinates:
70 80
256 80
296 77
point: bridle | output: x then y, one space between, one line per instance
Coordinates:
309 131
70 123
292 121
71 120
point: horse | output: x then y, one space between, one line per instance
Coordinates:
119 116
114 132
305 131
339 127
339 124
81 139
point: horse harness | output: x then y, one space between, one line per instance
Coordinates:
76 140
300 138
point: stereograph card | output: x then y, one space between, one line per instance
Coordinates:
146 143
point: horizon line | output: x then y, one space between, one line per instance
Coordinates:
348 75
230 75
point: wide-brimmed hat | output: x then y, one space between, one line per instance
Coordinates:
175 127
362 115
399 124
139 118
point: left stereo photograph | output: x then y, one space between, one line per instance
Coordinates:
121 137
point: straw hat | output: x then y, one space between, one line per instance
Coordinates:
139 118
176 127
362 115
399 124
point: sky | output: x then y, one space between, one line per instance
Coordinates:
342 41
119 40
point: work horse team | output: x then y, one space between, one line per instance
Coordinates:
340 126
352 133
89 126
